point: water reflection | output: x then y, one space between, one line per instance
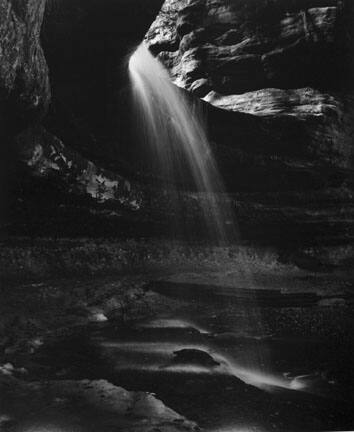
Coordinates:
173 323
160 356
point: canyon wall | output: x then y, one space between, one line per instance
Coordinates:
273 77
285 63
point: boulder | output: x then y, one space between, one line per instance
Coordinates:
194 356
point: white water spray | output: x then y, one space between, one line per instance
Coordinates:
174 130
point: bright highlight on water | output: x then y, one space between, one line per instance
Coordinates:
174 130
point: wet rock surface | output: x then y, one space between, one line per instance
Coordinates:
84 405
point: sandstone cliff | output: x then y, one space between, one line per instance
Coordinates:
275 76
284 62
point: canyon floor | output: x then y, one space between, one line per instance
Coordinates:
156 335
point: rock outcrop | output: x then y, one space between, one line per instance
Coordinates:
283 61
275 79
237 46
46 156
36 166
24 81
24 78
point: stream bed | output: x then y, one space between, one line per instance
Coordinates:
229 360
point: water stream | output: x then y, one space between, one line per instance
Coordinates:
200 367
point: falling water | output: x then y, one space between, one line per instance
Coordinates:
174 131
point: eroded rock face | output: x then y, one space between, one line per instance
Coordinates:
276 79
283 61
24 80
236 46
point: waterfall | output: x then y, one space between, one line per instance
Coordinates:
173 129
